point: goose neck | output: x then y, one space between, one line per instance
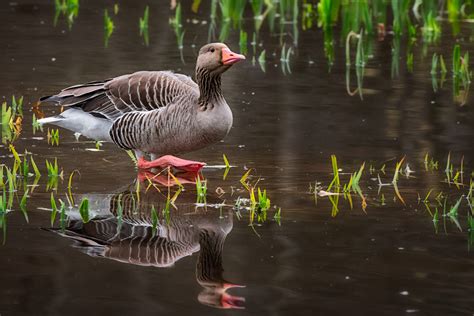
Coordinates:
210 92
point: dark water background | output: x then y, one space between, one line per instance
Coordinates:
387 260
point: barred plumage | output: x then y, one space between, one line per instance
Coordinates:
155 112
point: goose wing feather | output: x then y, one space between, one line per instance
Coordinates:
140 91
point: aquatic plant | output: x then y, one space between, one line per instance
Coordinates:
430 163
243 180
285 59
212 24
410 61
6 123
108 27
227 166
84 210
257 7
434 64
253 43
143 26
431 29
62 216
356 15
454 9
201 191
335 170
231 14
461 73
17 106
449 169
426 199
395 179
36 126
178 191
69 186
53 169
23 205
98 144
308 16
253 205
25 167
243 42
166 210
177 25
263 201
354 179
11 181
396 174
262 60
359 63
68 8
7 114
11 119
437 66
453 213
259 207
277 216
35 168
236 9
132 156
54 209
53 137
326 9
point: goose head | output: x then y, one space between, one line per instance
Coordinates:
216 58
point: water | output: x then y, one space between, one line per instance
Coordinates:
387 259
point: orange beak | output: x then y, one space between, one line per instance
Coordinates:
230 58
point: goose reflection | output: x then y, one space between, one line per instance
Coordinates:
130 238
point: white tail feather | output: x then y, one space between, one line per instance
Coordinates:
81 122
49 120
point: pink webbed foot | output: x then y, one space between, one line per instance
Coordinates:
171 161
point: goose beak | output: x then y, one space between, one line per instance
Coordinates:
230 58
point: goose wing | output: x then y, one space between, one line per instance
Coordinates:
140 91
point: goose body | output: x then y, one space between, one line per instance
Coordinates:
152 112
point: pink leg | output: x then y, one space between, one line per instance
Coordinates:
171 161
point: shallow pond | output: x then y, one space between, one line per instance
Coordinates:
369 251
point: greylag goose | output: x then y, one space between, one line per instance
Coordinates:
132 241
159 113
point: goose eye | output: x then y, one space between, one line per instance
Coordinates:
212 50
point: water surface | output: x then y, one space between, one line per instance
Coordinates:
389 258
